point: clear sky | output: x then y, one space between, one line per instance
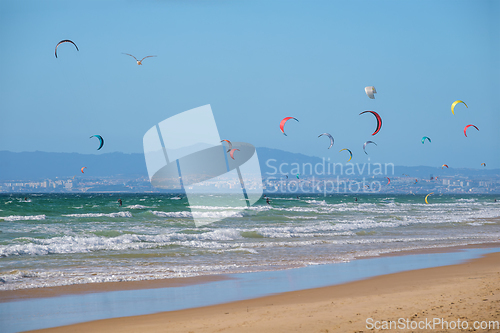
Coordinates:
256 62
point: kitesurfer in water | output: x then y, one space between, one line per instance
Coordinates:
267 200
120 202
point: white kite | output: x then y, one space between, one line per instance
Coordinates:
370 91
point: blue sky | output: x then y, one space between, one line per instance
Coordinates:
256 62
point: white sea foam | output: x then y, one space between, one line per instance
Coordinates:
316 202
26 279
73 244
118 214
281 198
216 207
238 249
172 214
466 200
209 215
291 233
23 218
137 207
79 244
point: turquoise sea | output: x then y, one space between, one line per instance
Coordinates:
63 239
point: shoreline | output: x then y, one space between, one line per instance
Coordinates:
89 288
467 291
100 287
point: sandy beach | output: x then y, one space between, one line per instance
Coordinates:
466 294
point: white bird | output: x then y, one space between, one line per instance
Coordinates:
139 62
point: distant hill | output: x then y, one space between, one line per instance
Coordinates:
41 165
268 154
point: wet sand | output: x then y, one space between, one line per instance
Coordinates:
78 289
467 292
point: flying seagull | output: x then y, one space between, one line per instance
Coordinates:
139 62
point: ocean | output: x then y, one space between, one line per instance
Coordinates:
65 239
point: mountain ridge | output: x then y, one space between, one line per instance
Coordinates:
42 165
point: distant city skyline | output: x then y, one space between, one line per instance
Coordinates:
307 185
282 172
256 62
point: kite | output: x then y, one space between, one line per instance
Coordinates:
101 140
65 41
231 153
466 127
298 176
483 164
379 121
139 62
367 142
370 91
444 165
283 122
349 153
388 180
331 138
455 103
416 181
83 168
230 145
427 202
425 137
